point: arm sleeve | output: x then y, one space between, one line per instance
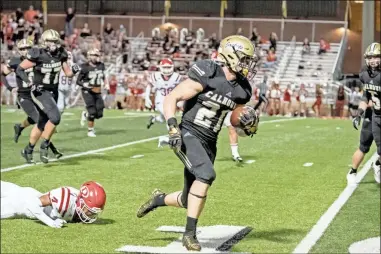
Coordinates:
81 76
35 207
201 71
22 74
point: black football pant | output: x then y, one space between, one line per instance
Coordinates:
376 130
26 103
46 101
366 135
198 158
94 105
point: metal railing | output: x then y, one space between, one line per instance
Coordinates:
337 67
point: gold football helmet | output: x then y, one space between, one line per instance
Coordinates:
94 55
239 55
372 56
23 46
51 40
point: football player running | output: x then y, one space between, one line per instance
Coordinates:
371 80
24 94
91 79
56 207
64 86
47 62
162 82
212 90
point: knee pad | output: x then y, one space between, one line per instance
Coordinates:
99 114
364 148
30 120
41 125
90 118
55 119
207 177
91 113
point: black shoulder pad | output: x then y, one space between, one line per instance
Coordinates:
14 62
201 71
64 55
33 54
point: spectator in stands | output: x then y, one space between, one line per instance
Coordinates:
8 32
20 29
85 31
69 21
110 98
239 31
109 31
30 14
213 42
273 39
340 102
270 59
306 46
39 18
19 14
323 46
254 36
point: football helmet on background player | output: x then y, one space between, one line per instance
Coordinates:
239 55
94 55
166 67
372 56
50 39
90 202
23 46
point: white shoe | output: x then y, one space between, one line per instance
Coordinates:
83 118
237 158
351 178
377 172
163 141
91 134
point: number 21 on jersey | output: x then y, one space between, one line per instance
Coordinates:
205 115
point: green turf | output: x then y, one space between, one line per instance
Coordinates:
276 195
358 220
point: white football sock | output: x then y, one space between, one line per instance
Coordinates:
234 148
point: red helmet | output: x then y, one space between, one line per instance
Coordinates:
166 67
90 202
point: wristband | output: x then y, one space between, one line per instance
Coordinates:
172 122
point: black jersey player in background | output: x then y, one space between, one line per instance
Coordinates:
47 62
92 78
213 89
371 80
24 97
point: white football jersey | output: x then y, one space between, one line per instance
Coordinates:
163 87
355 98
65 83
63 203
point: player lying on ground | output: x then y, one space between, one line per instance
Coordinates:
213 89
24 94
47 62
91 79
371 79
56 207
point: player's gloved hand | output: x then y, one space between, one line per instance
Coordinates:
86 87
148 103
357 119
75 68
249 121
174 134
58 223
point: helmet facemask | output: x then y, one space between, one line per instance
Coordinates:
52 45
243 65
373 62
24 46
24 51
166 70
85 213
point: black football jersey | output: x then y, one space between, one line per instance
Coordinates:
93 75
204 114
47 66
13 63
372 89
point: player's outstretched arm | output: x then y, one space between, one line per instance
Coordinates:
70 72
35 206
5 70
184 91
20 71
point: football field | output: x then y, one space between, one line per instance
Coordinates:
294 171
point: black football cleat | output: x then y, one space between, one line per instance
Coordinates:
150 123
57 154
18 130
237 159
44 155
28 156
149 205
190 242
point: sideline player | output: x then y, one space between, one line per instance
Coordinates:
56 207
47 62
371 79
92 79
212 89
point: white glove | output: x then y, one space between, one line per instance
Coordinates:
148 102
58 223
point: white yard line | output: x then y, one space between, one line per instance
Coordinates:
325 220
115 147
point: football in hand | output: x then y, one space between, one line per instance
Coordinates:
235 116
